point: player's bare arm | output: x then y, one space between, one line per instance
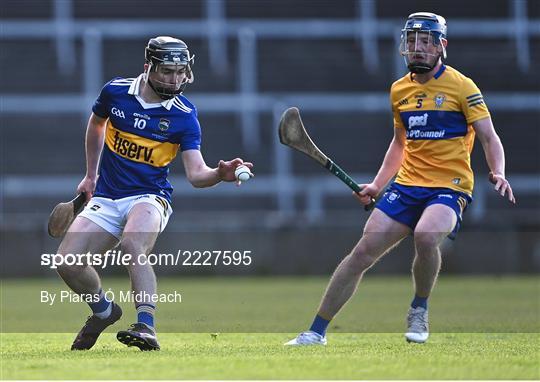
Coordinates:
389 168
95 135
200 175
494 152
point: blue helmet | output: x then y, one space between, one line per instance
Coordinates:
423 22
426 22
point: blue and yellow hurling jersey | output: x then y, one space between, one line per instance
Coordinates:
141 139
437 117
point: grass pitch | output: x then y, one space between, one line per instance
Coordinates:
482 328
262 356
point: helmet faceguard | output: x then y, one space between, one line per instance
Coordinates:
421 25
170 51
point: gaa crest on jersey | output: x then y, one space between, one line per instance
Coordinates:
439 100
164 124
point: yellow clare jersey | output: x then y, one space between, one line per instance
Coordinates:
437 117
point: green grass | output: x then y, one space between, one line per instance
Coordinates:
482 328
262 356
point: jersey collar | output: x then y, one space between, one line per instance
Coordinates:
439 72
134 91
435 76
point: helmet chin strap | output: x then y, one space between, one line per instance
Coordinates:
161 93
417 68
420 67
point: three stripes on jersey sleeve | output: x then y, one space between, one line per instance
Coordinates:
177 103
475 99
123 81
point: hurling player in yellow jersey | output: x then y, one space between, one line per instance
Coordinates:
437 112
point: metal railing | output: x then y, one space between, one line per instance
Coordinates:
248 101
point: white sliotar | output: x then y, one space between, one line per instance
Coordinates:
242 173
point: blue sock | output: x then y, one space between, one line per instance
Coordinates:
419 301
319 325
145 314
102 308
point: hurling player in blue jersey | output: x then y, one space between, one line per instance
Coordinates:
135 130
437 112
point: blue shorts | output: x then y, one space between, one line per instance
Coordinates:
406 204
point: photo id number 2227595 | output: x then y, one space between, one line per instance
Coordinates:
215 258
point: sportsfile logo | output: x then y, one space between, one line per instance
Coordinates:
132 150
